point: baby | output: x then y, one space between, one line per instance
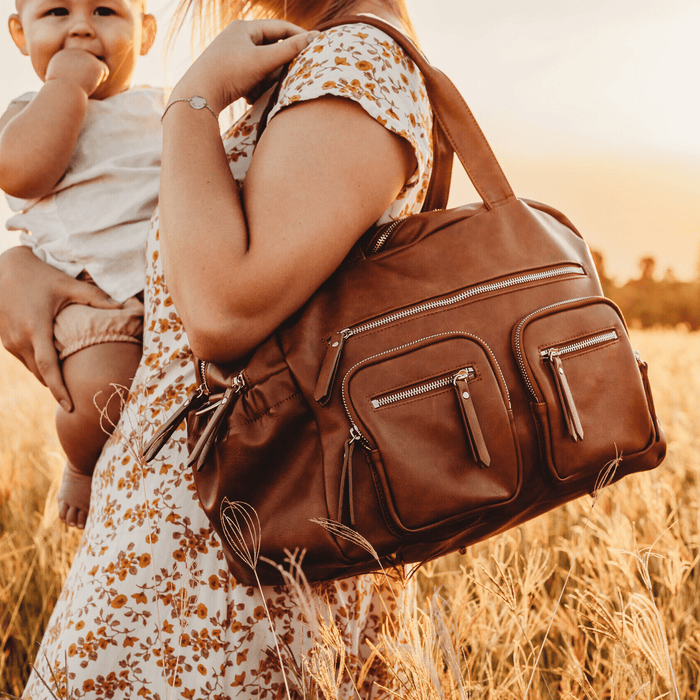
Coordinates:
80 165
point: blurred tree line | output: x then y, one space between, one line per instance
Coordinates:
647 301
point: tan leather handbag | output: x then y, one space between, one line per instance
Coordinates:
459 374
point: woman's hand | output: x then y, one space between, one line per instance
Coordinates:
239 59
31 295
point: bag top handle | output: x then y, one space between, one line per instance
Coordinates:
454 116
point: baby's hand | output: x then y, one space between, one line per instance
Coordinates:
78 66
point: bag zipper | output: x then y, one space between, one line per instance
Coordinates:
580 344
203 375
336 342
434 385
385 234
459 381
390 227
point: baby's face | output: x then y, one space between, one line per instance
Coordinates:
116 31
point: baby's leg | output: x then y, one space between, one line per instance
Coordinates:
89 375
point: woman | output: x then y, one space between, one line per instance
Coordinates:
243 240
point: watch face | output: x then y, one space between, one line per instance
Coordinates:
198 102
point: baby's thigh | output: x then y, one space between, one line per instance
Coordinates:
99 350
99 376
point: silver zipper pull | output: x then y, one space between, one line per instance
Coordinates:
324 384
471 421
573 422
346 474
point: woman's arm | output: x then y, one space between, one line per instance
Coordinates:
31 294
322 173
37 140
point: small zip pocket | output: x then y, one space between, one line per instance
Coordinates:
434 417
337 340
588 395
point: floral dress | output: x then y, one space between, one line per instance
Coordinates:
149 609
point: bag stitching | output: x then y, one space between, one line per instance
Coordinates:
262 415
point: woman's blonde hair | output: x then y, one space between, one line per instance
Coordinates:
209 17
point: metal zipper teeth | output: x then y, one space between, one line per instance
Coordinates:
239 381
343 393
581 344
518 333
466 294
385 235
418 390
203 376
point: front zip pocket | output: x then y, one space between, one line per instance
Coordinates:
337 340
434 417
588 396
460 381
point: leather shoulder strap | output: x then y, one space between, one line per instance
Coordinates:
455 119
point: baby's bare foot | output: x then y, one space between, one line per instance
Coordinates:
74 497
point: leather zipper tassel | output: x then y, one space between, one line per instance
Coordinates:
471 421
566 398
201 450
164 433
330 367
346 475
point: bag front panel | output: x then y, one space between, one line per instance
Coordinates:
437 415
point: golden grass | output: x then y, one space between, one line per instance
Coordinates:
495 623
35 549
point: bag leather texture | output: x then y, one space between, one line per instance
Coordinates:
459 374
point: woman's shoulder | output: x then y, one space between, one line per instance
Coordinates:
361 63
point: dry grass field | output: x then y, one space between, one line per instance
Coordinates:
595 600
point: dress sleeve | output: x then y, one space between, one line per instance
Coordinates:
361 63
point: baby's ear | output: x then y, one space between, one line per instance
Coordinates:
148 36
17 32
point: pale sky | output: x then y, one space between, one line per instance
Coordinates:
592 107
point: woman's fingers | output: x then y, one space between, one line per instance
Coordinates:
283 51
31 295
47 370
240 59
33 346
79 292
